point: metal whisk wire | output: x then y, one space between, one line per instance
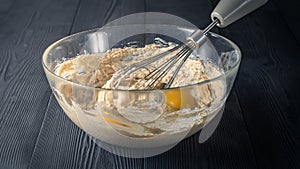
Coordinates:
153 79
224 14
157 75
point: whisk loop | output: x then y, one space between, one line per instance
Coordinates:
153 79
179 54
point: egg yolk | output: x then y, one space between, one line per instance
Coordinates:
173 98
113 121
179 98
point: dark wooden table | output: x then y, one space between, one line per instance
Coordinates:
260 127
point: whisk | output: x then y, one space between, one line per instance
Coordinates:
225 13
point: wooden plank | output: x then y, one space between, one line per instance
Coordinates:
76 146
229 146
27 27
196 12
78 151
62 144
268 86
5 8
94 14
67 145
289 10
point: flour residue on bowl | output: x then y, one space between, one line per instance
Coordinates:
142 113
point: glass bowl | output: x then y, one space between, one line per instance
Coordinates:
97 111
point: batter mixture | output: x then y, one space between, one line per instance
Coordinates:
141 114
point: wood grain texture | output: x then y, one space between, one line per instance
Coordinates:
196 12
61 144
188 154
94 14
27 27
260 128
228 147
66 144
289 10
268 86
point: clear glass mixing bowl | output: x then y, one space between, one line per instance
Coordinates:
97 111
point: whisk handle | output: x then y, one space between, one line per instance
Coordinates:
229 11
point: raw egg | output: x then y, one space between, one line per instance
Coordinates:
179 98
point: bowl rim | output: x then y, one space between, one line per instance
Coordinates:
227 72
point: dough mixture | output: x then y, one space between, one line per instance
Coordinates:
137 114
